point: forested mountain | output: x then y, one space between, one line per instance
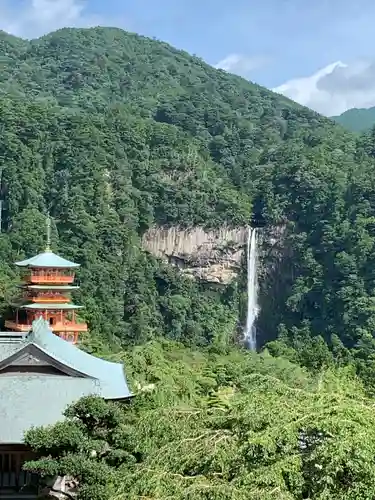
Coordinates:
113 133
357 119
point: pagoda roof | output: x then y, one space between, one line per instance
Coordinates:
47 259
38 398
50 305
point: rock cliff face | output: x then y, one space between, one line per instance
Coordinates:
211 256
218 257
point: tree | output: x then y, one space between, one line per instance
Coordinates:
87 446
204 425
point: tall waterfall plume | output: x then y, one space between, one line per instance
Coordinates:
250 334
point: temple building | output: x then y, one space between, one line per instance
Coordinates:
48 281
40 375
42 371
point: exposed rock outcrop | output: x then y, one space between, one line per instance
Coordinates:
216 257
213 256
60 488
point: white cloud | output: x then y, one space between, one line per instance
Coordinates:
33 18
335 88
240 64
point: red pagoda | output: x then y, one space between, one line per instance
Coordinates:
48 281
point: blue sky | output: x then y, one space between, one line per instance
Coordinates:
268 41
293 37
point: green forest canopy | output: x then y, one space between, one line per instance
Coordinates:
357 119
223 425
113 133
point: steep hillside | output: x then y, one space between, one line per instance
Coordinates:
357 119
114 133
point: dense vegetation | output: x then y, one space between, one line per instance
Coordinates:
217 426
357 119
113 133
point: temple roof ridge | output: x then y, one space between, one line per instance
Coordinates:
33 398
111 375
47 259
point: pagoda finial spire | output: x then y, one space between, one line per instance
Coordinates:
48 242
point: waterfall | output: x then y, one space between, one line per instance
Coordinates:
250 339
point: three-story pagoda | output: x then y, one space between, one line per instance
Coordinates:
48 281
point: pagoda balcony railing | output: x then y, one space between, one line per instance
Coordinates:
13 325
69 326
44 278
66 326
45 299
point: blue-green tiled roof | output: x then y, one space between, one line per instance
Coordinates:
23 396
47 259
111 375
7 350
32 400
